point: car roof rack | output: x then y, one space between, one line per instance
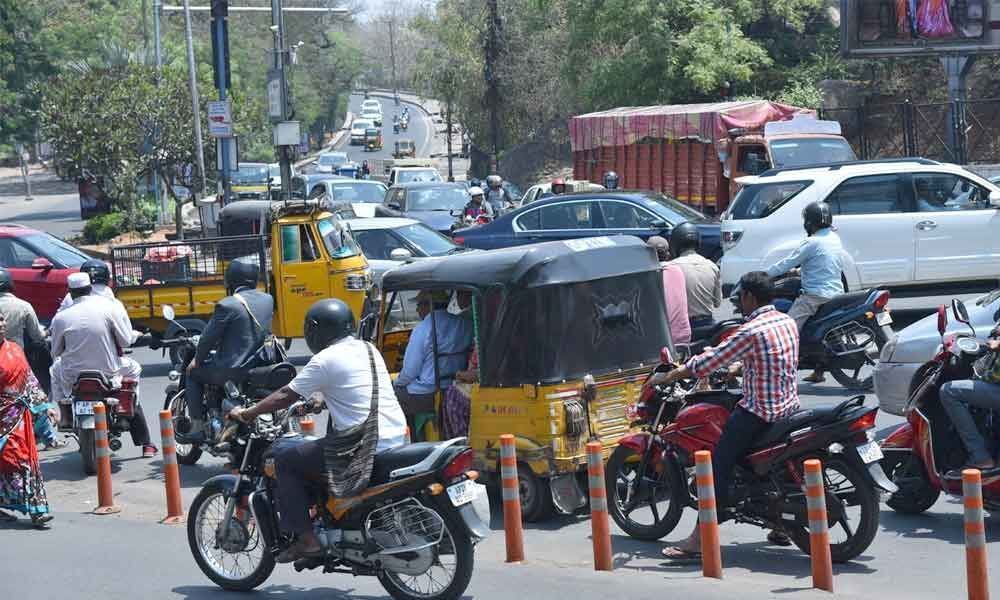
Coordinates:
834 166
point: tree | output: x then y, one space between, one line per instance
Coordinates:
23 60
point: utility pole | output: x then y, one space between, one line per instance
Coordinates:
451 172
492 83
220 47
278 100
161 200
392 53
195 103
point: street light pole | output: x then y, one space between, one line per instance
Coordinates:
284 154
161 200
220 37
451 172
195 102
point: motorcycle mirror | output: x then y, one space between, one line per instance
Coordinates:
960 311
168 312
665 355
231 390
942 319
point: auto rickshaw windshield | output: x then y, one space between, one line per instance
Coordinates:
337 238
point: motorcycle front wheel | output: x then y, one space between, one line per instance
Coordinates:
187 454
646 506
237 561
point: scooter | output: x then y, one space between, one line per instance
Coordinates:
924 455
844 337
650 475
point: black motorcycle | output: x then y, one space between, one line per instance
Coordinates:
414 528
844 337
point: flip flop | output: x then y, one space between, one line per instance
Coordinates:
6 517
814 378
678 555
779 538
41 521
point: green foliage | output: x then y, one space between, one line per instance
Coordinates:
23 60
102 228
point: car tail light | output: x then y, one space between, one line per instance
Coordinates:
881 300
866 421
730 239
459 465
459 240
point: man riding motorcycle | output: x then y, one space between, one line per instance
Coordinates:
768 346
236 332
984 392
611 180
701 276
496 196
100 276
91 335
341 372
477 205
821 258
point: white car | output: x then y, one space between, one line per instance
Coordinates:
328 162
371 103
364 195
544 190
388 242
903 222
904 354
413 174
373 114
358 127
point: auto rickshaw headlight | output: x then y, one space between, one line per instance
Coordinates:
356 282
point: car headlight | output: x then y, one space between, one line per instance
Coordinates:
889 349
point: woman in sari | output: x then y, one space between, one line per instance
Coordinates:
21 485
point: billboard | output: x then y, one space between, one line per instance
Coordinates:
884 28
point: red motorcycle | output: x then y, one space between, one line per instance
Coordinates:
924 456
91 388
650 475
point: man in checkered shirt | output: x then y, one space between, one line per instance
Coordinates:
768 345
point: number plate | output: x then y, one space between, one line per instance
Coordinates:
870 452
884 318
83 408
462 493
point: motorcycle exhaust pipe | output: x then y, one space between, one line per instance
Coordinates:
263 514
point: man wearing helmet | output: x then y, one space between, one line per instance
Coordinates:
236 332
496 196
477 205
342 371
611 180
701 276
820 257
100 275
558 186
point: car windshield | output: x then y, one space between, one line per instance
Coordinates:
56 250
361 125
337 238
410 175
988 298
251 174
425 239
758 200
810 151
436 199
371 193
332 160
274 171
671 210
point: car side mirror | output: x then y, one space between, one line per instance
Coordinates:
995 199
659 225
942 319
168 312
960 311
394 206
400 254
456 212
42 264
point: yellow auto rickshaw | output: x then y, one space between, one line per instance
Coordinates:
373 139
563 335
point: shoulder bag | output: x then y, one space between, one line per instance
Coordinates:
349 454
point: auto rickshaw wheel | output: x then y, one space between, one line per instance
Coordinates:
535 493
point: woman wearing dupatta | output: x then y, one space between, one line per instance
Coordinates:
21 485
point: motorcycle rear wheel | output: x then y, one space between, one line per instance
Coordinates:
911 499
863 377
846 482
620 479
88 450
187 454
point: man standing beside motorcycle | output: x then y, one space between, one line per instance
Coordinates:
90 335
984 392
342 370
236 332
768 346
821 259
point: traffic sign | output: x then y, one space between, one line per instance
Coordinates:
220 119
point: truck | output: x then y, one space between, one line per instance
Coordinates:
305 253
696 152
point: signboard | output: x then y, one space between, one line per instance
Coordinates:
274 96
220 119
884 28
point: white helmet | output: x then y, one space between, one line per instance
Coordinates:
476 191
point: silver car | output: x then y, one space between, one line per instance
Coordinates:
915 345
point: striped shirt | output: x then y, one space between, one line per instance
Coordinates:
768 345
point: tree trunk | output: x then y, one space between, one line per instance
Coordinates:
21 153
178 207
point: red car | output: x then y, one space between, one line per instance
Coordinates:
39 264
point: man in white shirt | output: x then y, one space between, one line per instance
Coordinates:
341 372
90 336
100 275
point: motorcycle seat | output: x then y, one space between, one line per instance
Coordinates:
388 461
797 420
270 376
851 299
93 381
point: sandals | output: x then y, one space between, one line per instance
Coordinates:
56 444
814 377
41 521
6 517
677 554
149 451
779 538
295 552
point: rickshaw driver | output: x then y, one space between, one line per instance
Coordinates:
768 345
416 386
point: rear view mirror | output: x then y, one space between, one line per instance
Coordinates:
942 319
960 311
168 312
400 254
42 264
995 199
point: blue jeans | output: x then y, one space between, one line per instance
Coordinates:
956 398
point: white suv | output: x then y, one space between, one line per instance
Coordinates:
902 221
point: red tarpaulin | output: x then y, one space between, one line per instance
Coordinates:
709 123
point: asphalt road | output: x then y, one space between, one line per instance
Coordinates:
55 208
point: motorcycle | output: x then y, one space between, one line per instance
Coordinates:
844 337
415 528
395 128
708 336
650 475
404 123
256 383
924 456
120 401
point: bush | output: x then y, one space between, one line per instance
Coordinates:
103 228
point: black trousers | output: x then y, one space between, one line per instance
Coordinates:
294 466
738 436
139 429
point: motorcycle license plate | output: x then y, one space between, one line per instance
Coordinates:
870 452
884 318
83 408
462 493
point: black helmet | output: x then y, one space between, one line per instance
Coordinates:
817 215
474 182
6 282
683 238
241 273
611 180
326 322
98 271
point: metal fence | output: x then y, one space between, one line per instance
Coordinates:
960 132
201 261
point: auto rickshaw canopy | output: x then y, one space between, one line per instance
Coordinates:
556 310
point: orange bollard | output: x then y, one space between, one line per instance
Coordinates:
105 497
708 518
977 579
511 500
171 472
307 426
599 526
819 534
